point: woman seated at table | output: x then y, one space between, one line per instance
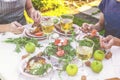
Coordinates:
12 15
109 18
109 41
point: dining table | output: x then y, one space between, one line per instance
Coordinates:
10 63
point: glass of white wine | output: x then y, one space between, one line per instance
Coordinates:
84 51
66 23
47 26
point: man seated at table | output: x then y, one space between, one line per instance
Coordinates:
12 15
109 21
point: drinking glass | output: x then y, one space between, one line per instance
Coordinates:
47 26
84 52
66 23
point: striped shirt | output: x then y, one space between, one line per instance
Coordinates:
12 10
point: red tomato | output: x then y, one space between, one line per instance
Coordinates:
57 41
94 32
65 42
60 53
39 34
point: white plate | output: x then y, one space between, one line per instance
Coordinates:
28 75
1 77
76 30
28 34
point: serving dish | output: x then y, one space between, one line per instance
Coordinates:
60 52
35 67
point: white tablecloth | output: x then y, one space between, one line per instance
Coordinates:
10 60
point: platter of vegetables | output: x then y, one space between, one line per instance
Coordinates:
60 52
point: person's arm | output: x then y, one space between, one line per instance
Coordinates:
4 28
116 41
98 26
34 14
13 27
29 7
109 41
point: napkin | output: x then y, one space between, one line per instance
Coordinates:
115 55
115 61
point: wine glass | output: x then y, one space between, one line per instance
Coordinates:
47 26
84 51
66 23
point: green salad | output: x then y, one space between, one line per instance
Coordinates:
86 42
65 53
96 40
39 69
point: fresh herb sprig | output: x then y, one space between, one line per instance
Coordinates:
21 42
70 53
86 42
50 50
40 70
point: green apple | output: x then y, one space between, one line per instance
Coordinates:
30 47
99 55
96 66
72 69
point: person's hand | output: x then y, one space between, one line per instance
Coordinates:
35 15
87 27
16 27
107 42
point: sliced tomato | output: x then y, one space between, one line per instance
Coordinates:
57 41
65 42
60 53
39 34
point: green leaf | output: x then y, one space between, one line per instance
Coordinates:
69 52
17 49
40 70
85 42
21 42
